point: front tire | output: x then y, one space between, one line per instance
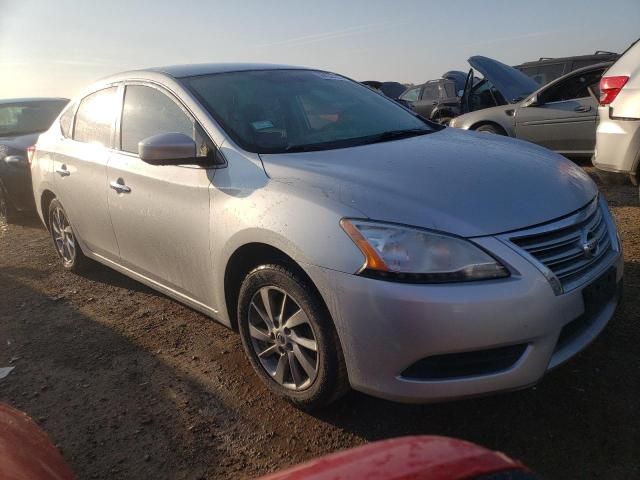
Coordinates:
64 239
490 128
289 337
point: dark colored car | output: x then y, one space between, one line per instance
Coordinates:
436 100
393 90
547 69
21 121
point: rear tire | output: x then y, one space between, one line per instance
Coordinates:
490 128
64 239
8 213
289 337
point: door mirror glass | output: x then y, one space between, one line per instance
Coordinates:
168 149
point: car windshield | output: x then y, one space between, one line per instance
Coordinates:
28 117
278 111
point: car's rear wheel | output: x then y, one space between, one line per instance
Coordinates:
64 239
490 128
289 337
8 214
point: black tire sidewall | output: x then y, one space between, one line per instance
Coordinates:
329 383
489 129
10 213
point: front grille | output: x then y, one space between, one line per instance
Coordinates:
574 249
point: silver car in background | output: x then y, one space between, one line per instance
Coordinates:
560 116
349 241
618 134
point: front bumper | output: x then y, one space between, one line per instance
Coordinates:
385 327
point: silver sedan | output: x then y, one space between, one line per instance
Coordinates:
350 242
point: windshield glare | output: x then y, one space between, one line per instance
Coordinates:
28 117
276 111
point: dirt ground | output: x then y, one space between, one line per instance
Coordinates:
132 385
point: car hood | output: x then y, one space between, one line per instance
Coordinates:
513 84
454 181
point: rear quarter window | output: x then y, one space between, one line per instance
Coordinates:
95 117
66 121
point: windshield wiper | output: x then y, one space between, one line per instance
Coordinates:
352 142
398 134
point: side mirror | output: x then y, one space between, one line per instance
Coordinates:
167 149
532 101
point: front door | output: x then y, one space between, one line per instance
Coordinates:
160 214
564 117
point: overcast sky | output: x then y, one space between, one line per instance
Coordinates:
55 47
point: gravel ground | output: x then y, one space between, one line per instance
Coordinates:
130 384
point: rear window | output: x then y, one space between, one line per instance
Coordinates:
95 117
28 117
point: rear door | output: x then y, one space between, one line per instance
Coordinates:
160 214
80 165
429 99
564 119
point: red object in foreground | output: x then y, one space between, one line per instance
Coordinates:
408 458
26 453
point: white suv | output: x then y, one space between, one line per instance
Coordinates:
618 133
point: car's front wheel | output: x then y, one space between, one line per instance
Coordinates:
289 337
64 239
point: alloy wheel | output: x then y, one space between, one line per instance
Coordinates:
63 236
283 338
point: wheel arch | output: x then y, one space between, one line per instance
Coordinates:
45 200
243 260
479 124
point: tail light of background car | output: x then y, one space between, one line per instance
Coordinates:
610 88
31 151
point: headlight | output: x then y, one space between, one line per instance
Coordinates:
412 255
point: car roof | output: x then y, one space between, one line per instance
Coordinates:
591 56
6 101
192 70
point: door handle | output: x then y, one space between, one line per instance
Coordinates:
62 171
584 108
119 186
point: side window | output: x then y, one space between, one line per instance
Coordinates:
147 111
411 95
431 92
573 87
450 90
66 120
95 117
549 71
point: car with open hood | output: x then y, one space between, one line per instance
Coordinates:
561 116
349 241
